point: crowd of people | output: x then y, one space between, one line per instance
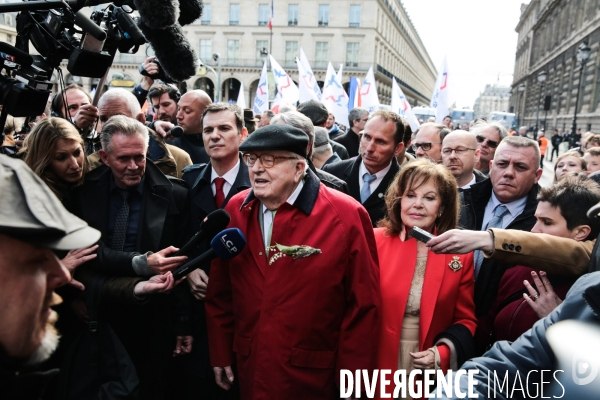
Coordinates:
332 277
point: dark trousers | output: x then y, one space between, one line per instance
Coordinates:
554 149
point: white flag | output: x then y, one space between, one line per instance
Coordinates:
368 92
241 100
401 106
334 96
285 85
309 80
261 99
442 98
340 74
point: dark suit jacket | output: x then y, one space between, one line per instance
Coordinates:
350 141
347 171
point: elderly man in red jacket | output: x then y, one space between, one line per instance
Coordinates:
301 301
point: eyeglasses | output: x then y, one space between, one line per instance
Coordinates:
364 120
424 146
492 143
459 151
267 160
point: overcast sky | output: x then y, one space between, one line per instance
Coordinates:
478 36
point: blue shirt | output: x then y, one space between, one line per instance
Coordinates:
135 201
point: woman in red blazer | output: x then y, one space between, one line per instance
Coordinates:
428 314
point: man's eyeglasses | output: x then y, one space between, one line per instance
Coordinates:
459 151
424 146
492 143
267 160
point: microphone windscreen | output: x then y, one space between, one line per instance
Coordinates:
177 131
173 51
15 55
229 243
159 14
189 11
215 222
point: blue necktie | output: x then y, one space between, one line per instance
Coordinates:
496 222
365 192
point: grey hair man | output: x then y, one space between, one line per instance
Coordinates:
322 152
265 118
350 140
488 135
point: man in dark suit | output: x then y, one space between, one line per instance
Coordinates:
350 140
138 209
210 187
369 175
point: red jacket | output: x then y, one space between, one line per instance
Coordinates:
447 296
295 323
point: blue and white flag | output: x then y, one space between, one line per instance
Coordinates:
261 99
368 93
285 84
334 96
309 88
401 106
443 97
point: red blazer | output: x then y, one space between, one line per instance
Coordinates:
293 324
447 296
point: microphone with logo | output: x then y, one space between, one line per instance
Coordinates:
214 223
225 245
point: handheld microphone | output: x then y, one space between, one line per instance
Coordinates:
225 245
214 223
177 131
12 54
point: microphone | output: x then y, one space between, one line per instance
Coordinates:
226 245
89 26
214 223
12 54
129 27
177 131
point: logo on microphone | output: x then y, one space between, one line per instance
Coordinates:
584 372
228 244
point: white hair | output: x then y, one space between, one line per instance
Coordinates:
119 95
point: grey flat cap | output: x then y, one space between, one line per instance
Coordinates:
30 212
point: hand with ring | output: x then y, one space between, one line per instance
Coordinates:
546 300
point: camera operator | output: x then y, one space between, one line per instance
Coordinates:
152 69
33 223
80 111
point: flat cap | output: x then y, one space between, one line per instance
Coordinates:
315 111
321 136
277 137
30 212
249 115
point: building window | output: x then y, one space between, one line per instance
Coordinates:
263 14
261 44
321 54
233 51
354 15
293 15
234 14
352 54
323 14
206 12
205 49
291 51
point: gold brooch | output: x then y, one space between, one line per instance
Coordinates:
455 264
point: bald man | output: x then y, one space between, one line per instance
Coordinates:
190 108
459 155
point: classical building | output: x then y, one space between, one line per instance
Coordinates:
550 85
355 35
493 98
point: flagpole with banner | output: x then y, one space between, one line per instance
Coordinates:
442 98
261 99
368 92
241 100
401 106
285 84
309 79
334 96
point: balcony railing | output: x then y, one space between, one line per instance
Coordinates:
323 23
354 24
292 22
205 22
236 22
262 23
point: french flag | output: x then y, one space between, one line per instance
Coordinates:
271 16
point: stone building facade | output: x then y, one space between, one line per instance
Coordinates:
550 32
493 98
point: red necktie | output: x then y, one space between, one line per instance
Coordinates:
219 195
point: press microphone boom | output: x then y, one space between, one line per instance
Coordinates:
214 223
225 245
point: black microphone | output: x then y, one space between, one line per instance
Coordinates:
89 26
129 27
177 131
225 245
214 223
15 55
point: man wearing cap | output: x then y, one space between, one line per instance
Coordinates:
249 120
323 153
304 292
33 223
369 175
318 114
138 209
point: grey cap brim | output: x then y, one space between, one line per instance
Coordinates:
84 237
